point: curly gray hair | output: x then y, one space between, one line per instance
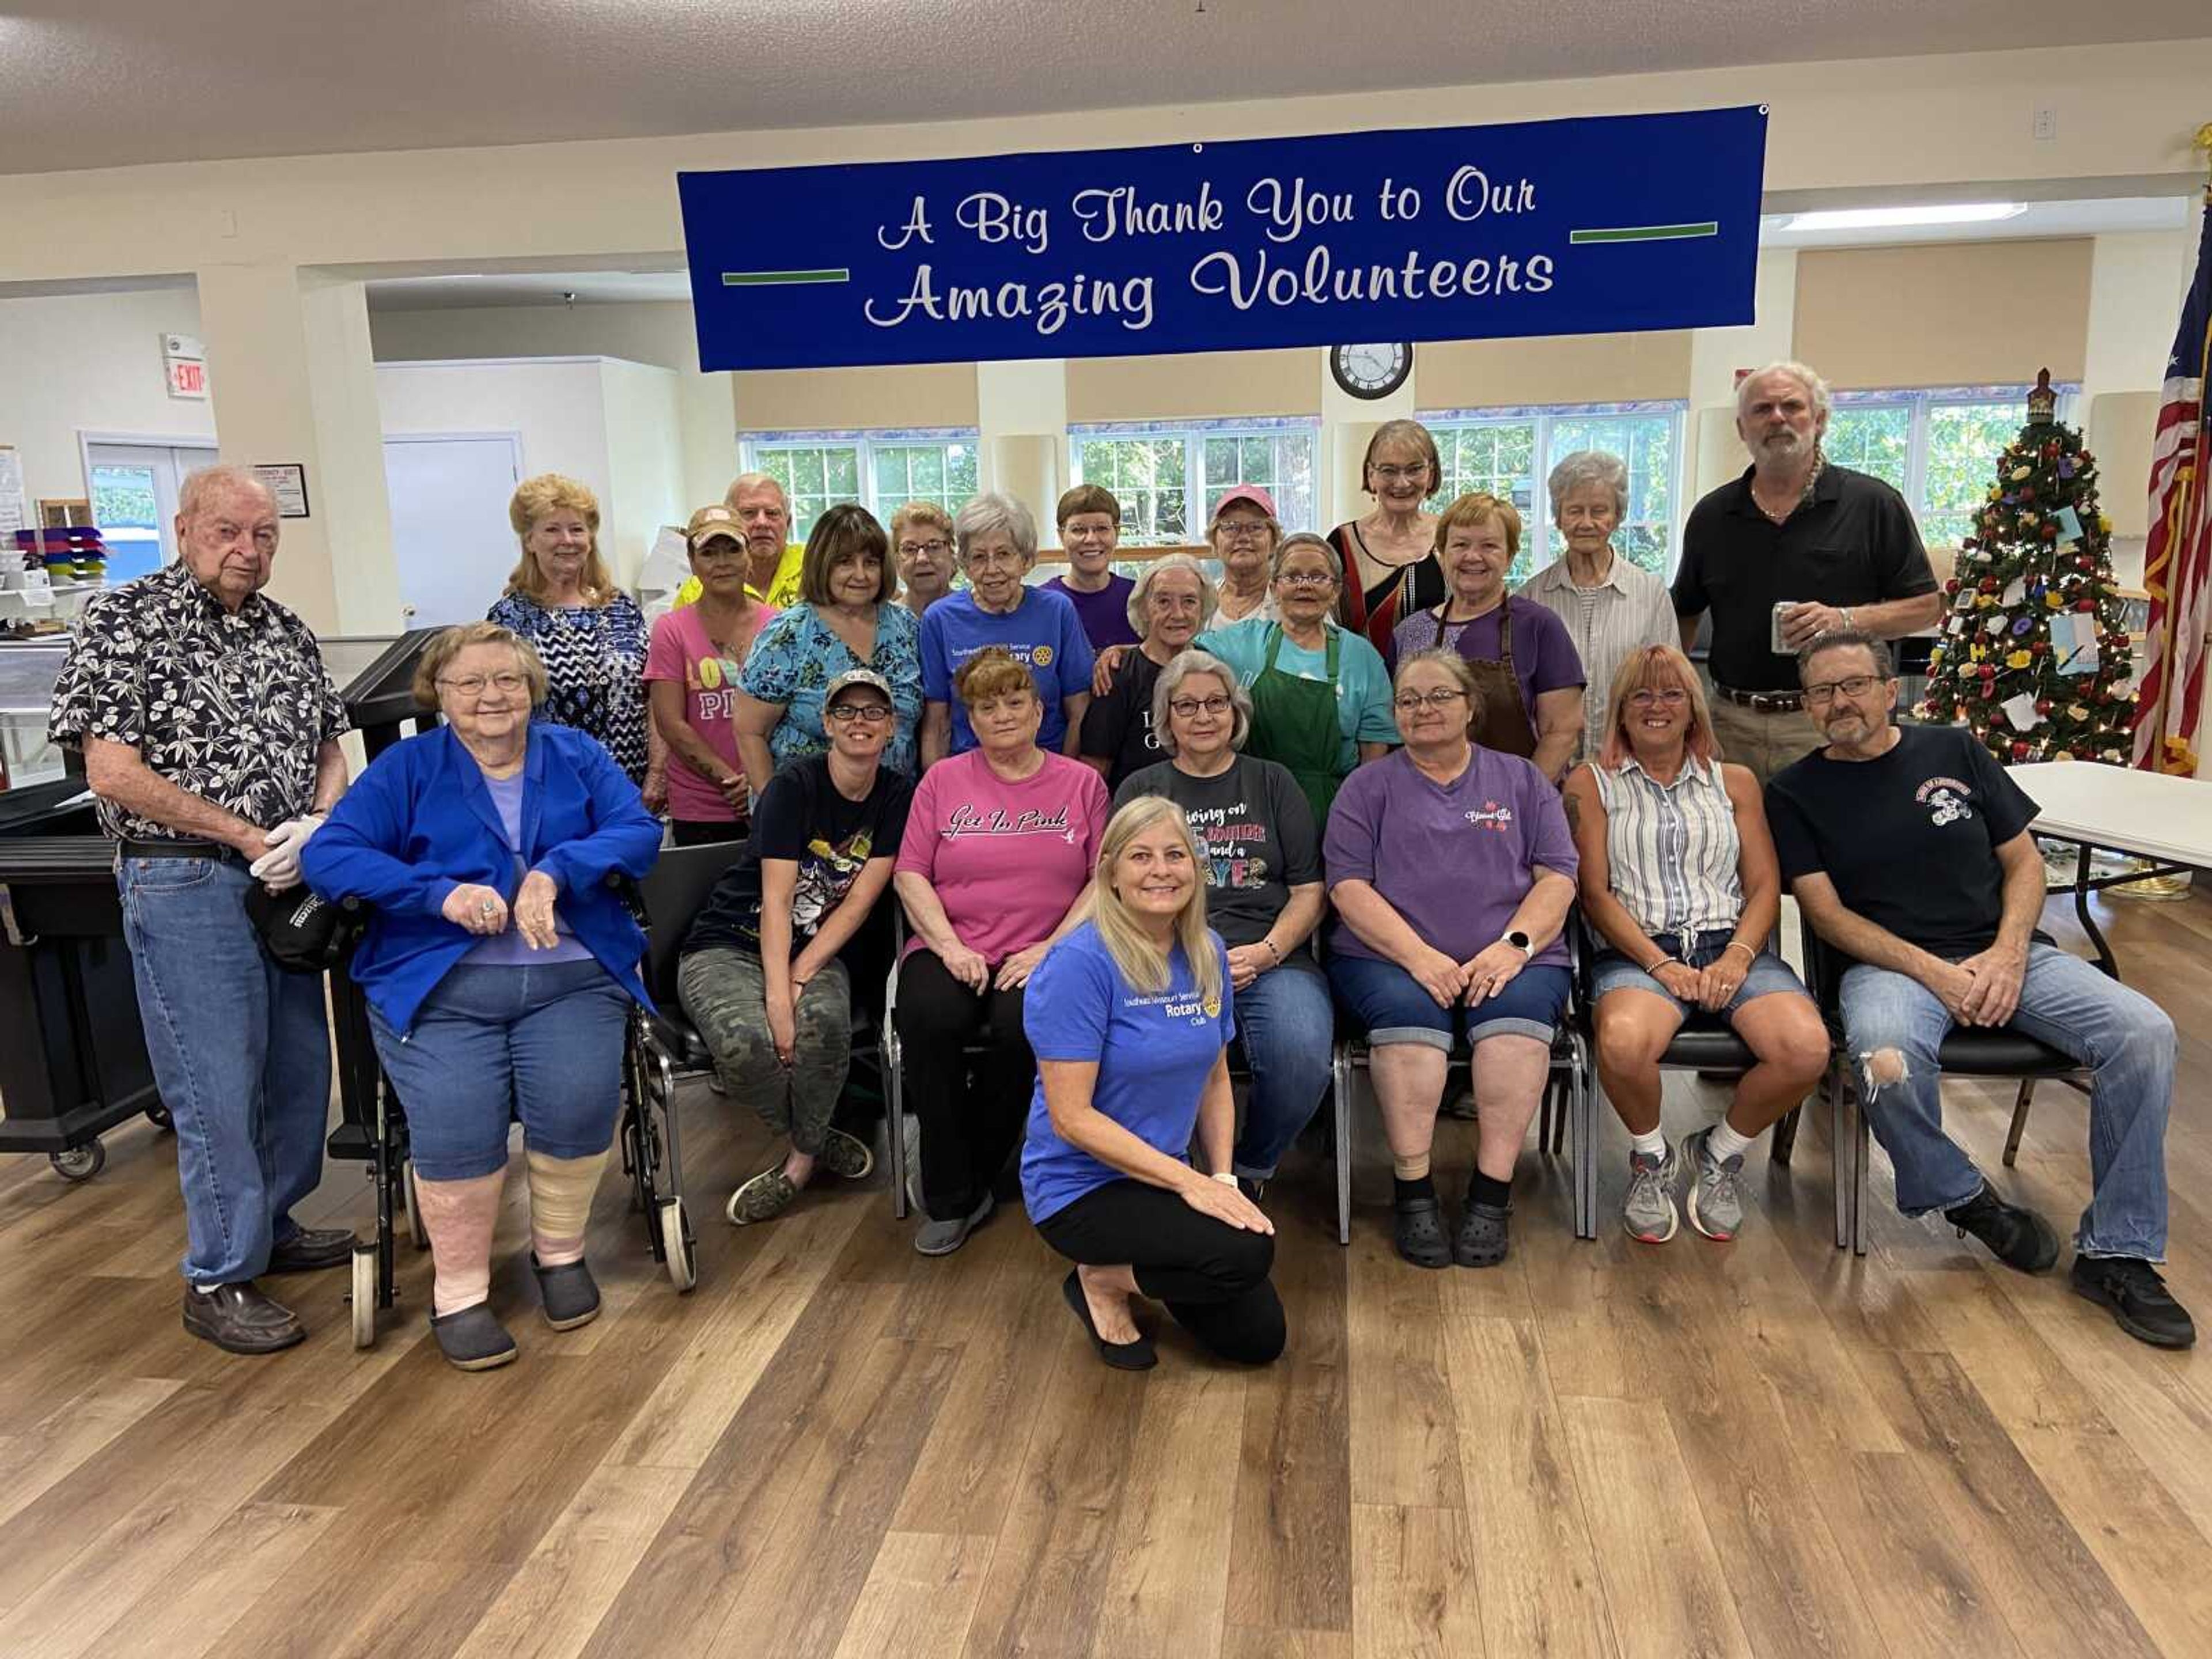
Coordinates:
1180 667
985 514
1207 600
1591 466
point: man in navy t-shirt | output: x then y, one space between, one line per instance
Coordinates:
1909 848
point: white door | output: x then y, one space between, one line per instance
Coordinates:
449 493
133 490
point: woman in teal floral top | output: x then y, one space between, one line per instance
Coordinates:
845 619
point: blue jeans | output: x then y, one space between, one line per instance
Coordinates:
494 1042
1286 1027
241 1055
2124 1038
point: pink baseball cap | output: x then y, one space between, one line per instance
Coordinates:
1252 493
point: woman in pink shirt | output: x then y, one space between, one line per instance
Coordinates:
995 866
691 681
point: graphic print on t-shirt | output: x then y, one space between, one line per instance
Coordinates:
1492 816
713 681
1182 1005
825 875
1946 799
968 819
1230 835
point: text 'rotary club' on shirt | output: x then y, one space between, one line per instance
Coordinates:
967 820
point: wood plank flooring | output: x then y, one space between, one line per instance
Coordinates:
836 1448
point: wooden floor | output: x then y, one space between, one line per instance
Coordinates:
836 1447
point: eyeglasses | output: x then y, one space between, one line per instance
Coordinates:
983 560
1442 697
1306 579
1242 530
1673 697
1853 688
868 714
1184 707
472 685
1412 474
919 550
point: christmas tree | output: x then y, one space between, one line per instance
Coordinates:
2034 653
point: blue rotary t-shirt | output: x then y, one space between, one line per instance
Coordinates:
1154 1052
1042 633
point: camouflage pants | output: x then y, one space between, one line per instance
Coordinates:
725 993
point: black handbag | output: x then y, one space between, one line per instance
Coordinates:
304 934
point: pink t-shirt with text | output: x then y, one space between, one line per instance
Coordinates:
681 651
1006 858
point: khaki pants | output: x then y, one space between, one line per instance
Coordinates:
1765 741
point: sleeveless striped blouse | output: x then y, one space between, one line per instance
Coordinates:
1672 849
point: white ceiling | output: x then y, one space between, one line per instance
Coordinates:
87 84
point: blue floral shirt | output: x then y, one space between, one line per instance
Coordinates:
594 657
795 656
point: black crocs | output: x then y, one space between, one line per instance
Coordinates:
571 1295
473 1339
1421 1233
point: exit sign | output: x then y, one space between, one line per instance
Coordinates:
184 359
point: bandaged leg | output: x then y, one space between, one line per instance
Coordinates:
460 1216
561 1191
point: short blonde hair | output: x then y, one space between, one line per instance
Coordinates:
439 655
540 497
1477 508
916 512
1661 667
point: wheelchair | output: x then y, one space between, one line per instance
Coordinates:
373 1127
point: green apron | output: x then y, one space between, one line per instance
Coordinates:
1294 724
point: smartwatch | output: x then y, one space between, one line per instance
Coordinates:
1519 941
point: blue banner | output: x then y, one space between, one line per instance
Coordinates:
1572 226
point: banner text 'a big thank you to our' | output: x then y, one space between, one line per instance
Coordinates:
1573 227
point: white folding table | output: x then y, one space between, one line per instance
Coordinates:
2149 815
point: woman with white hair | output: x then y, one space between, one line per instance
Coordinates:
995 543
1130 1019
1171 601
1612 609
1262 857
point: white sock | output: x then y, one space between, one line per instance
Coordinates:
1724 1143
1651 1145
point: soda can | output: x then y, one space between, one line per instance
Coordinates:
1781 606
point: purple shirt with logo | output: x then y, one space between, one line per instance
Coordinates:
1105 614
1455 861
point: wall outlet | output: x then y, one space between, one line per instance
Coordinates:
2044 125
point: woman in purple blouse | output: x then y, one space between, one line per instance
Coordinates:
1451 869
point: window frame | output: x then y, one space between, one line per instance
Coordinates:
753 448
1194 435
1536 526
1919 405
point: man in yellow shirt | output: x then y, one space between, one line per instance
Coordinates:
758 500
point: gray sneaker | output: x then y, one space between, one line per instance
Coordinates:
943 1238
1715 1199
1649 1214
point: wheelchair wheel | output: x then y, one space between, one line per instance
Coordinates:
677 1241
411 1202
364 1296
159 1118
79 1163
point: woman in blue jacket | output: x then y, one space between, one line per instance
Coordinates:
499 968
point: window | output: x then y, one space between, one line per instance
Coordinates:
817 470
1938 448
1510 453
1168 478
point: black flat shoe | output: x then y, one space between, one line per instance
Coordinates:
569 1292
239 1319
1136 1355
310 1251
473 1339
1421 1233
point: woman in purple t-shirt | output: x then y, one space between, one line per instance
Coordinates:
995 867
1451 869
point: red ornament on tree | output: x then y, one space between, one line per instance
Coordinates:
2019 751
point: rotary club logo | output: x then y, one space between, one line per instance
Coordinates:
1042 657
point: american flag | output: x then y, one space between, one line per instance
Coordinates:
2178 557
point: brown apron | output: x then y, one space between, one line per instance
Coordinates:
1506 724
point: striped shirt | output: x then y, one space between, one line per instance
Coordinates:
1628 609
1671 849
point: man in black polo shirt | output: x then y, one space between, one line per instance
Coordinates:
1838 548
1908 847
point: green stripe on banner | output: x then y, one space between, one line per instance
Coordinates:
767 278
1645 233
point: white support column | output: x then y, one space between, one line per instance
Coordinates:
1021 412
1346 424
292 378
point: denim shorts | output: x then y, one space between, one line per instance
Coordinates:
1767 974
1391 1005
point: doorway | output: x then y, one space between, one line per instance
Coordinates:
449 493
133 487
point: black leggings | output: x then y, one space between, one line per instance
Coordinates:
967 1135
1212 1277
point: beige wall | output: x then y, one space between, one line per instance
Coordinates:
797 399
1949 314
1195 386
1578 369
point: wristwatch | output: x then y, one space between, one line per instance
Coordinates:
1844 611
1519 941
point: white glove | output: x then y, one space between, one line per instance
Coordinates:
279 867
